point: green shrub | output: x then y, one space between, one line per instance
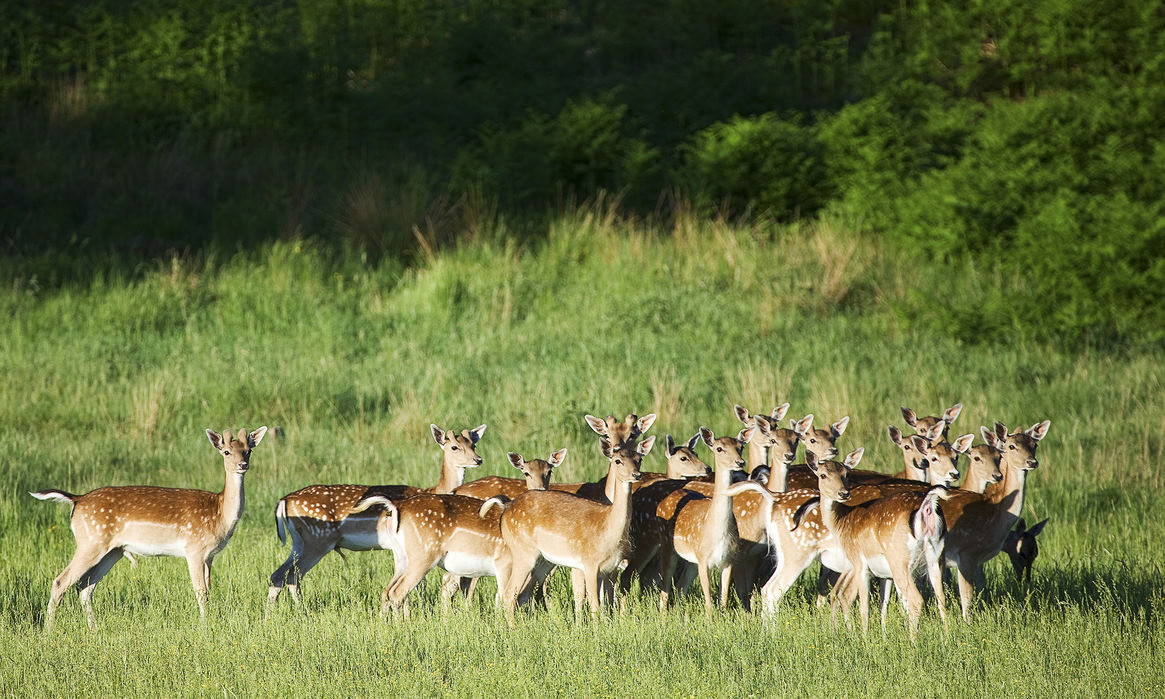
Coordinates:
764 163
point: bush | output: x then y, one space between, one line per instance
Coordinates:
763 163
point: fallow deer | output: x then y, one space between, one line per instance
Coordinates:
544 528
150 521
1021 547
928 457
983 463
922 425
978 524
887 537
757 449
536 476
317 517
456 532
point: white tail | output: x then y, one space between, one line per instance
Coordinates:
317 517
890 537
149 521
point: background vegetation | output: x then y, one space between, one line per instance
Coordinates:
1020 135
351 219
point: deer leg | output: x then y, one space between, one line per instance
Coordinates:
863 582
83 560
826 580
591 582
934 571
705 586
790 565
410 577
198 568
90 579
726 586
578 587
965 574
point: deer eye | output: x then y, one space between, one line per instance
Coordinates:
813 441
683 458
720 449
455 447
1011 447
226 452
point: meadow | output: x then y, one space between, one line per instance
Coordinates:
112 381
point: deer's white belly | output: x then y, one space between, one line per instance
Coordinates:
468 565
157 548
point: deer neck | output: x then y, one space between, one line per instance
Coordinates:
778 477
756 455
1009 492
451 477
618 520
231 501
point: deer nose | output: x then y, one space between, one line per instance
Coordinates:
843 496
477 461
997 477
831 453
1033 464
739 464
789 456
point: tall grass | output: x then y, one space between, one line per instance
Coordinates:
114 384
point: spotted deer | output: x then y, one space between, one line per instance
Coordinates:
929 457
459 533
758 454
922 425
703 529
1021 547
150 521
536 475
894 536
978 523
781 443
317 520
544 528
983 463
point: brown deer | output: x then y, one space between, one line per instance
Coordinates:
888 537
317 517
928 457
978 524
757 449
149 521
535 476
703 529
922 425
1021 547
456 532
544 528
983 463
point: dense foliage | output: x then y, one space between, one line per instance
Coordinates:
1022 136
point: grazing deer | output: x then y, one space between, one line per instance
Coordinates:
704 529
757 449
1021 547
978 523
149 521
317 517
922 425
887 537
929 458
456 532
544 528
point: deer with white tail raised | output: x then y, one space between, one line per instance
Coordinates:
320 519
151 521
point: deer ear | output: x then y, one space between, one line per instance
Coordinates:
746 434
802 426
989 437
646 422
516 459
1034 531
895 434
255 437
811 461
762 425
935 433
694 441
1038 430
707 436
669 445
962 444
919 442
952 413
839 427
742 415
854 457
779 411
596 424
215 438
557 458
476 433
1000 430
909 416
607 449
438 434
645 446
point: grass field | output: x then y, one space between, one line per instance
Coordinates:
115 383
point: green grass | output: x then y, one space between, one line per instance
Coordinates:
114 384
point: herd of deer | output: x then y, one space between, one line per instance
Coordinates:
664 528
